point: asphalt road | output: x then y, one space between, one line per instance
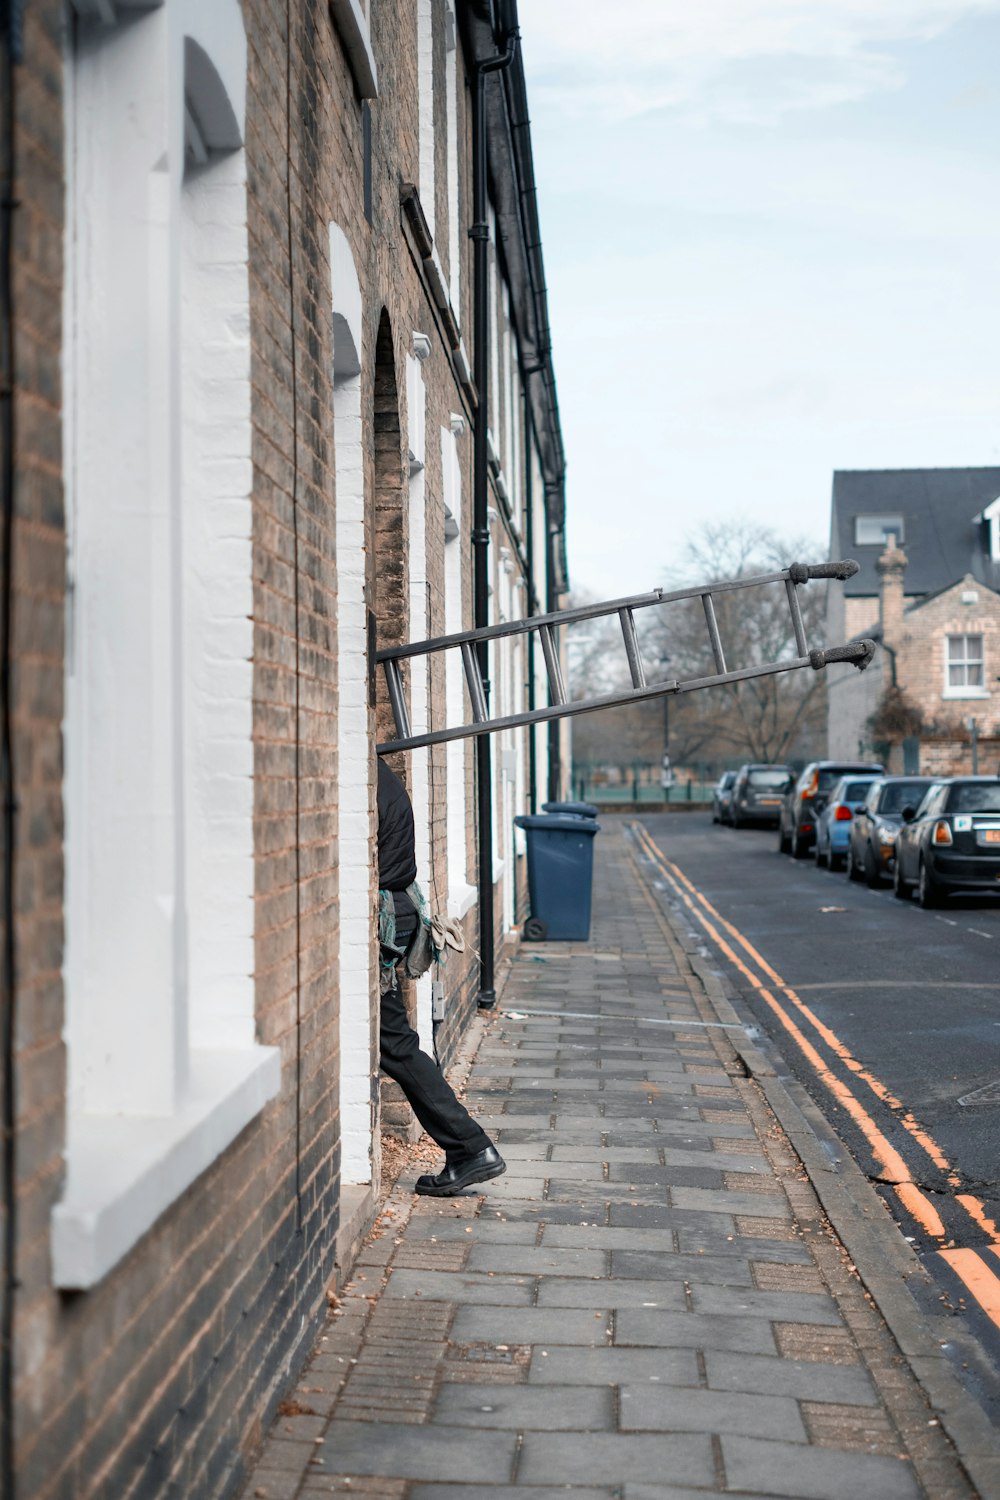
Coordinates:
887 1014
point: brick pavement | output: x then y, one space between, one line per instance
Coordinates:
650 1303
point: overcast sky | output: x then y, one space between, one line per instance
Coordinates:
772 243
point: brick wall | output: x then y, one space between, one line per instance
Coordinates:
160 1378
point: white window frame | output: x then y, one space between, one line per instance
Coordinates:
462 895
351 20
965 689
891 524
163 1067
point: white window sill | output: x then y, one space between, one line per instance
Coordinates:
966 692
462 898
353 27
122 1171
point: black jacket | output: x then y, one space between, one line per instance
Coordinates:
397 860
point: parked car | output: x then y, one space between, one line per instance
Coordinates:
806 799
871 848
722 796
757 793
951 842
833 826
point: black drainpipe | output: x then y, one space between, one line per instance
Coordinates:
479 233
10 55
529 542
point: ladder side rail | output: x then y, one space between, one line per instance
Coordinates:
612 606
474 679
631 639
795 610
713 632
397 699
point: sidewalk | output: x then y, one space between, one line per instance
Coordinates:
649 1303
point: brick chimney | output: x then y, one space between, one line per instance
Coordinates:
891 566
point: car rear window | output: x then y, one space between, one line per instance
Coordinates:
856 791
829 775
902 794
981 797
775 778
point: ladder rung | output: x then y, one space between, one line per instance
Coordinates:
713 632
397 700
477 693
801 644
632 648
557 688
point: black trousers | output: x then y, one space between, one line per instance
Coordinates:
428 1092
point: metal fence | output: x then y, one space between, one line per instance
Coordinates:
640 785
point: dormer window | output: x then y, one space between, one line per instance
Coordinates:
991 520
875 531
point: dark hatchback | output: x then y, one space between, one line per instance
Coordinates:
757 795
872 846
807 797
951 842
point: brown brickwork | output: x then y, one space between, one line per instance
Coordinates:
160 1379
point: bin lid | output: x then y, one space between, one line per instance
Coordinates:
579 809
557 823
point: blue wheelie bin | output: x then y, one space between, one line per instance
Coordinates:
574 809
560 875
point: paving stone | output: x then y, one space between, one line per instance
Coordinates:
613 1458
609 1192
531 1325
709 1201
644 1326
659 1216
647 1264
567 1291
645 1177
643 1407
487 1230
809 1473
802 1307
400 1449
532 1261
612 1366
509 1492
602 1237
460 1286
547 1409
806 1380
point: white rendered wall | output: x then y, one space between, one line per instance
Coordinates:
354 761
461 895
416 404
425 94
451 129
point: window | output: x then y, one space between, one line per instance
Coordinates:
874 531
964 674
160 1022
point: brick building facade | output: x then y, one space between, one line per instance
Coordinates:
243 321
928 592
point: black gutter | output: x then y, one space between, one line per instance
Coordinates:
479 233
10 54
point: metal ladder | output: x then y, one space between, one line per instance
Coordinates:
470 643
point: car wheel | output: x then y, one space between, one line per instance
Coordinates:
853 873
800 846
873 875
818 855
836 861
928 891
900 889
783 845
737 821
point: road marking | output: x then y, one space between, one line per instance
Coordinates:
921 1209
979 932
984 1285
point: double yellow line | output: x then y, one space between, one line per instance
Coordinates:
976 1271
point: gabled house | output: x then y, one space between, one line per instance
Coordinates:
928 591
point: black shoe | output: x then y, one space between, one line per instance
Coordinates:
459 1174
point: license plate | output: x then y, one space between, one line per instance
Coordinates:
989 836
769 801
